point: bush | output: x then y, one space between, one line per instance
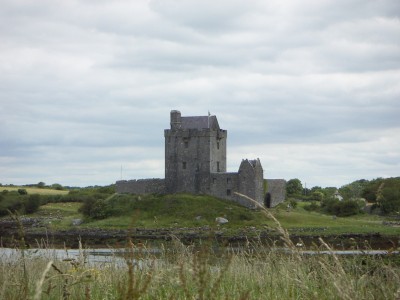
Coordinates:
32 204
57 186
313 206
293 203
317 196
341 208
11 202
22 192
95 208
348 208
390 202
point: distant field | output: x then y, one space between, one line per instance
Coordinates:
34 190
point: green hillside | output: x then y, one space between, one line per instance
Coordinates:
183 210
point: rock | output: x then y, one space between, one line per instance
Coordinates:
198 218
221 220
77 222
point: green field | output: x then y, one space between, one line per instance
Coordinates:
35 190
176 211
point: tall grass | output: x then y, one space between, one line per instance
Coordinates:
192 273
201 272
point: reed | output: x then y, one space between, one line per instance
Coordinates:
199 271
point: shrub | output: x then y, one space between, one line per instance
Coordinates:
341 208
348 208
95 208
41 185
293 203
313 206
22 192
32 204
317 196
57 186
13 202
390 202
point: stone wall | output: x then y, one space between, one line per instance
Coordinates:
141 186
277 190
225 186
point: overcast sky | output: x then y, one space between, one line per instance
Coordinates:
311 87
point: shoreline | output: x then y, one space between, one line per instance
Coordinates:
34 236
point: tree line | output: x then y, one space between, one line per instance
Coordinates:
383 195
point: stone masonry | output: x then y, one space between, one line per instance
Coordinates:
195 162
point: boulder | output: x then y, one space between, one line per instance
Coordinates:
221 220
77 222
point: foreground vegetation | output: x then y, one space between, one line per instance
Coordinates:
200 271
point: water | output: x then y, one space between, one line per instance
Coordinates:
91 256
106 255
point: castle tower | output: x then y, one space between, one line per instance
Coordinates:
195 162
251 179
194 148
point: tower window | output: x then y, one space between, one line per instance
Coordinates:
184 165
186 144
217 166
228 180
228 192
217 145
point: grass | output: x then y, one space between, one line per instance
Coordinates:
59 216
198 272
177 211
35 190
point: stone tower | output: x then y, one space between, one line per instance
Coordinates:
194 148
195 162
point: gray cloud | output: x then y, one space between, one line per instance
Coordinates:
310 87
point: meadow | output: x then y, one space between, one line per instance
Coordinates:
176 211
200 271
35 190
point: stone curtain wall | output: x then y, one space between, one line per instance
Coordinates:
277 190
141 186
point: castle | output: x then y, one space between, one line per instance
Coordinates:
195 162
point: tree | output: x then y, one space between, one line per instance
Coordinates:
41 185
294 187
317 196
390 200
353 190
57 186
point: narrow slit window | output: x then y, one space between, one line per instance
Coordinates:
228 192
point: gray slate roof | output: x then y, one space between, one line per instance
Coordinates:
199 122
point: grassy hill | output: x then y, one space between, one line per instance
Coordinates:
183 210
